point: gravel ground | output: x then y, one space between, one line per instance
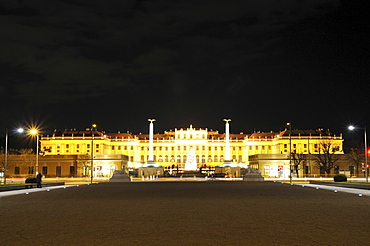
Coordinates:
185 213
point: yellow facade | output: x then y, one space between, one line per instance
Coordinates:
171 147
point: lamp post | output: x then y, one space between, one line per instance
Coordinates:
290 151
35 132
5 155
19 130
92 153
351 128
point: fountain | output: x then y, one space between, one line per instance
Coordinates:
191 161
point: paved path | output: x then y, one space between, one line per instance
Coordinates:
185 213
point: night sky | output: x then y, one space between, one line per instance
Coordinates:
71 63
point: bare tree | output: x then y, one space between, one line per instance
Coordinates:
356 156
83 162
27 160
326 157
297 161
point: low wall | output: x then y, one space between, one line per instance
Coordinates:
26 186
342 184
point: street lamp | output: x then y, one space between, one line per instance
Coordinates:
290 152
92 152
19 130
35 132
351 128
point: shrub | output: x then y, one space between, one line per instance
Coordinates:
30 180
340 178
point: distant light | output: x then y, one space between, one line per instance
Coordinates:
359 194
20 130
33 131
351 128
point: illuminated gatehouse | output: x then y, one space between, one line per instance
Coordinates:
266 151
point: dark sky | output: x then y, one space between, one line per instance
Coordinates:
70 63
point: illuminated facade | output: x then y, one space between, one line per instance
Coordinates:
171 148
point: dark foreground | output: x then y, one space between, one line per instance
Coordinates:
185 213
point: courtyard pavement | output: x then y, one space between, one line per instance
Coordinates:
186 213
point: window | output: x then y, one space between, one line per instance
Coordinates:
45 170
222 148
77 146
58 171
112 147
97 146
178 147
305 146
285 146
250 147
30 170
294 146
125 148
256 147
266 170
67 146
16 170
72 171
119 147
88 146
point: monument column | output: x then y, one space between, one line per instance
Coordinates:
227 141
151 137
151 170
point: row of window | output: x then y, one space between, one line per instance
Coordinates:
182 159
45 170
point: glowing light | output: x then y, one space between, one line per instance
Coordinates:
34 131
351 128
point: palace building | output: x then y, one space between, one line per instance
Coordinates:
267 151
